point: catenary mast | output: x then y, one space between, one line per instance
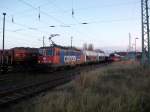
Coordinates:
145 32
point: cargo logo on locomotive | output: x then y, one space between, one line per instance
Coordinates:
69 58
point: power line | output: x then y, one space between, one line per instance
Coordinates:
30 28
20 13
62 23
111 21
109 5
22 34
98 7
49 15
79 23
52 17
27 27
47 3
73 18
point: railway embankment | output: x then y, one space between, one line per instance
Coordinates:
119 87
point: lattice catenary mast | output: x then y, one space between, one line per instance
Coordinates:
145 32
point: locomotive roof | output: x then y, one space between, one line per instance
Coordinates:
23 48
62 47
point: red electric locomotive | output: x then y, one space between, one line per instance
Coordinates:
60 56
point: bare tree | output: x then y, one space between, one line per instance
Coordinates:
85 46
90 47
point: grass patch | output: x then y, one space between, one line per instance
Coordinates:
115 88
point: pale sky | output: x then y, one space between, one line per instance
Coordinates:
109 22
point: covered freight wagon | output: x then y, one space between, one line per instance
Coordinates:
6 57
93 56
23 55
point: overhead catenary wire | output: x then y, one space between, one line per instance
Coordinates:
74 18
45 13
68 10
87 23
98 7
18 31
31 28
26 27
17 38
105 21
68 25
22 35
98 21
23 12
72 8
76 9
77 23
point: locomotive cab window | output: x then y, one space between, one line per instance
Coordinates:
57 53
50 52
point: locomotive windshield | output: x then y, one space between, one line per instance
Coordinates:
46 51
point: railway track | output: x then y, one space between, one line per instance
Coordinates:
15 94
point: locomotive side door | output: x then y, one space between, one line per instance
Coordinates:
62 57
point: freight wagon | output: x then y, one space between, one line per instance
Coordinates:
115 57
19 55
23 55
6 57
93 56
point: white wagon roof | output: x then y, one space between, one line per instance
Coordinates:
90 53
